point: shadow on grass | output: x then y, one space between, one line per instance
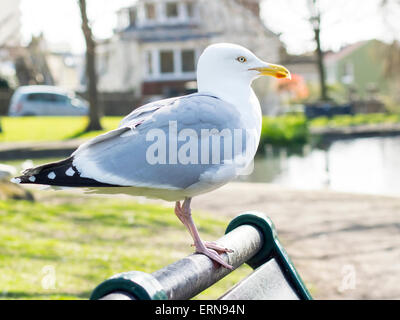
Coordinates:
84 134
76 135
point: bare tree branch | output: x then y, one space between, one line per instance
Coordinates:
315 20
392 53
94 113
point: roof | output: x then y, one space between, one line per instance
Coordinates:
181 32
305 58
41 88
336 56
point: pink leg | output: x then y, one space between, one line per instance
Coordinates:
209 244
207 248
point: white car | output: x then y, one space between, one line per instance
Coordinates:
46 101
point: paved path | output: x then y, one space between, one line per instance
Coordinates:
31 150
345 246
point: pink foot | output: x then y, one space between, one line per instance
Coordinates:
216 247
213 255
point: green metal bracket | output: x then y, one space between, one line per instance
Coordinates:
271 248
140 285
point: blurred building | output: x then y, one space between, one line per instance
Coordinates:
157 43
304 65
67 68
360 67
10 37
10 23
42 63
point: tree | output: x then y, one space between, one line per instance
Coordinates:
312 21
315 20
94 111
391 11
391 8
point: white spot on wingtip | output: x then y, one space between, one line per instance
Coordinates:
32 178
51 175
16 180
70 172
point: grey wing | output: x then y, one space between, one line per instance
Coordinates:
145 154
143 112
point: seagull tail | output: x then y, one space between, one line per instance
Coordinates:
61 173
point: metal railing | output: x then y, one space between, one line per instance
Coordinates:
253 239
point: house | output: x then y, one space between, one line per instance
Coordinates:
304 65
10 37
360 67
67 68
156 44
10 23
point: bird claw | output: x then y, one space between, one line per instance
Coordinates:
213 255
216 247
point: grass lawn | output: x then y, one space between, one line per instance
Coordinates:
281 130
50 128
80 242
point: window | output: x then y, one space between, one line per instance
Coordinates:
348 73
47 97
167 61
150 9
149 62
132 17
38 97
190 9
58 98
172 9
188 61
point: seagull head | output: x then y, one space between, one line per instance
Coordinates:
234 66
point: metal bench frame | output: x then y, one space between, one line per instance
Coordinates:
254 240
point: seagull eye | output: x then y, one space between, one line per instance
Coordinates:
241 59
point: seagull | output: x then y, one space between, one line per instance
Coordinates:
176 148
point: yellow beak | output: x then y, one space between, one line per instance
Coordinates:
274 71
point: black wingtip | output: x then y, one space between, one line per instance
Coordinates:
62 173
35 175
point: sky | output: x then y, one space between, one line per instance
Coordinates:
60 20
344 21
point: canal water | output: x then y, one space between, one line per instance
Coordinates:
364 165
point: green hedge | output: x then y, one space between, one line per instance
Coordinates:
357 119
284 130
